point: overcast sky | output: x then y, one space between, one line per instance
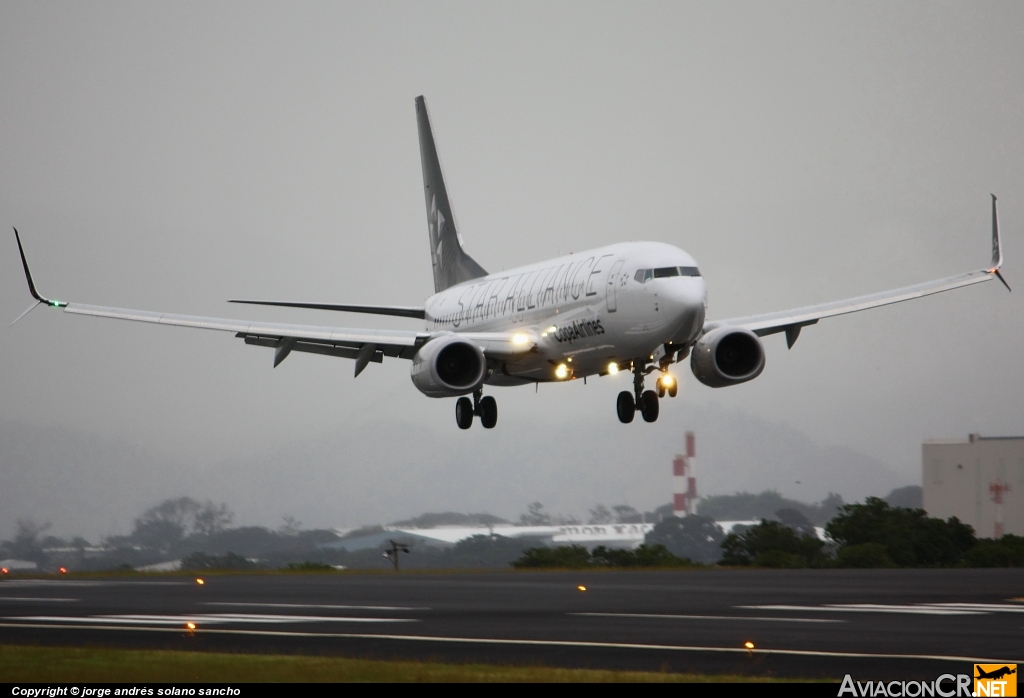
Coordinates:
169 156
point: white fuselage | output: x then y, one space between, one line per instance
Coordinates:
585 310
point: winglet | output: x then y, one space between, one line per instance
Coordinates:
997 247
28 277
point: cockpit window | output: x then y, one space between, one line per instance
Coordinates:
645 275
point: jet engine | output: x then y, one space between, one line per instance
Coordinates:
727 356
448 366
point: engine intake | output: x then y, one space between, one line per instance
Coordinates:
448 366
727 356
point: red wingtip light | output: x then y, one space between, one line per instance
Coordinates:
63 570
4 570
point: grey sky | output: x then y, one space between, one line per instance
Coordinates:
169 156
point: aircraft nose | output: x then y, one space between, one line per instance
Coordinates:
684 299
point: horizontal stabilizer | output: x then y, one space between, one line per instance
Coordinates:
397 311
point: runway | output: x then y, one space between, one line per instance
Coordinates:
878 624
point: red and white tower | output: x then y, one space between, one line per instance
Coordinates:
684 484
997 488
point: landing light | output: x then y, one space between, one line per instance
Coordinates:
667 380
562 372
520 338
581 587
190 625
200 582
613 368
749 645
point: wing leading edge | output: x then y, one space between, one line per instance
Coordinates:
362 345
792 321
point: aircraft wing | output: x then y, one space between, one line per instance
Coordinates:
791 321
363 345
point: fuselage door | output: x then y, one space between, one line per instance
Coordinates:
613 278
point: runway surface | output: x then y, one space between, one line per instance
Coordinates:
892 624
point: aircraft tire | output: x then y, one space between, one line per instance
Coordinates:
488 412
661 389
673 389
625 407
464 413
649 406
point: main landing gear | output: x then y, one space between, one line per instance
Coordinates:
645 401
484 407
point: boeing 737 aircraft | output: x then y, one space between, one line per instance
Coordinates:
633 306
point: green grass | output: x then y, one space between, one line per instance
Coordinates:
82 664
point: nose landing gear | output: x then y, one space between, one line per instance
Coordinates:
484 407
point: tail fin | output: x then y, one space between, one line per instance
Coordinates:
451 263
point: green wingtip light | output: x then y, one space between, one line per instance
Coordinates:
58 304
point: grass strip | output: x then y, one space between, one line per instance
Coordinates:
86 664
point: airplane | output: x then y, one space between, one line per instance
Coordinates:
995 673
632 306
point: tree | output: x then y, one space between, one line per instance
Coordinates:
600 515
536 516
570 556
627 514
746 506
909 537
290 527
169 522
795 520
695 537
909 497
27 544
773 544
211 519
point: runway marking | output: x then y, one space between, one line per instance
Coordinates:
208 619
9 583
940 609
685 617
316 605
34 598
536 643
990 607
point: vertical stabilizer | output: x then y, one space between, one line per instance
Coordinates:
451 263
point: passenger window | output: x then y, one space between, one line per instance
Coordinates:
666 271
689 271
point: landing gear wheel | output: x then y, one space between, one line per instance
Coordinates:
649 406
673 389
464 413
661 388
488 412
625 406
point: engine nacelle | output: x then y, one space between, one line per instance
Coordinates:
727 356
448 366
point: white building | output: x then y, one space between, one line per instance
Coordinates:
979 480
